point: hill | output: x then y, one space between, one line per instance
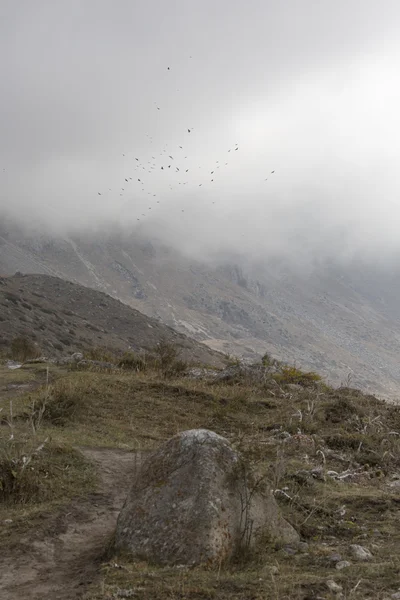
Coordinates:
341 320
62 317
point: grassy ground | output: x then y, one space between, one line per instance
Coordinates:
332 457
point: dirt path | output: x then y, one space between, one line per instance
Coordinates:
59 563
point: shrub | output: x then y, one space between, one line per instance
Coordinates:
23 348
59 403
290 374
166 359
132 361
100 353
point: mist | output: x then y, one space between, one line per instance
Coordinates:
308 90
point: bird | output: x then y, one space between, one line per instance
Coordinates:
200 184
189 130
180 147
186 170
229 150
168 69
169 166
99 193
266 179
211 172
272 171
236 148
126 179
139 180
162 168
212 179
171 157
136 159
177 168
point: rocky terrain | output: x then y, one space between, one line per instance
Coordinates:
343 321
62 317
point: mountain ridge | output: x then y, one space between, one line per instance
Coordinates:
341 321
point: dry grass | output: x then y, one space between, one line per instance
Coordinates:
329 454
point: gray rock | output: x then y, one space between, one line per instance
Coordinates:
343 564
189 504
33 361
99 364
200 373
335 558
69 360
360 552
255 373
333 586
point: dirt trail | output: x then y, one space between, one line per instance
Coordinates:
59 563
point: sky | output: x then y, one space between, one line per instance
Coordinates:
292 107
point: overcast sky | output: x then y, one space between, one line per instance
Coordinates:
309 89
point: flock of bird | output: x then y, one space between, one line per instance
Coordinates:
140 178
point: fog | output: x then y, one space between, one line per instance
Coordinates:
309 90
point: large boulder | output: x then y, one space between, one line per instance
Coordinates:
192 503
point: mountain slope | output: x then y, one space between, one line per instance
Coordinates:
64 317
339 320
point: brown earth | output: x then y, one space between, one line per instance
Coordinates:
58 561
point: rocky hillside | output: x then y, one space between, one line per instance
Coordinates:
339 321
62 317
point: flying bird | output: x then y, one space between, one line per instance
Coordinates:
99 193
186 170
126 180
135 158
189 130
272 171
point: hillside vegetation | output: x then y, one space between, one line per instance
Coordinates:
331 455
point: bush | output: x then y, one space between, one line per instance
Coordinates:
23 348
166 359
59 403
290 374
100 353
132 361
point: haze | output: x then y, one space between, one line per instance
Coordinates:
310 90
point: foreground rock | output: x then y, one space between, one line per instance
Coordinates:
190 504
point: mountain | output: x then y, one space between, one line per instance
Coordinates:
63 317
342 320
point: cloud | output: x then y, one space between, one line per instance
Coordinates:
309 90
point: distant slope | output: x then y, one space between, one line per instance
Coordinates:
63 317
336 320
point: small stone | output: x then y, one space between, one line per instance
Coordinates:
302 547
333 586
335 558
343 564
360 552
270 570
